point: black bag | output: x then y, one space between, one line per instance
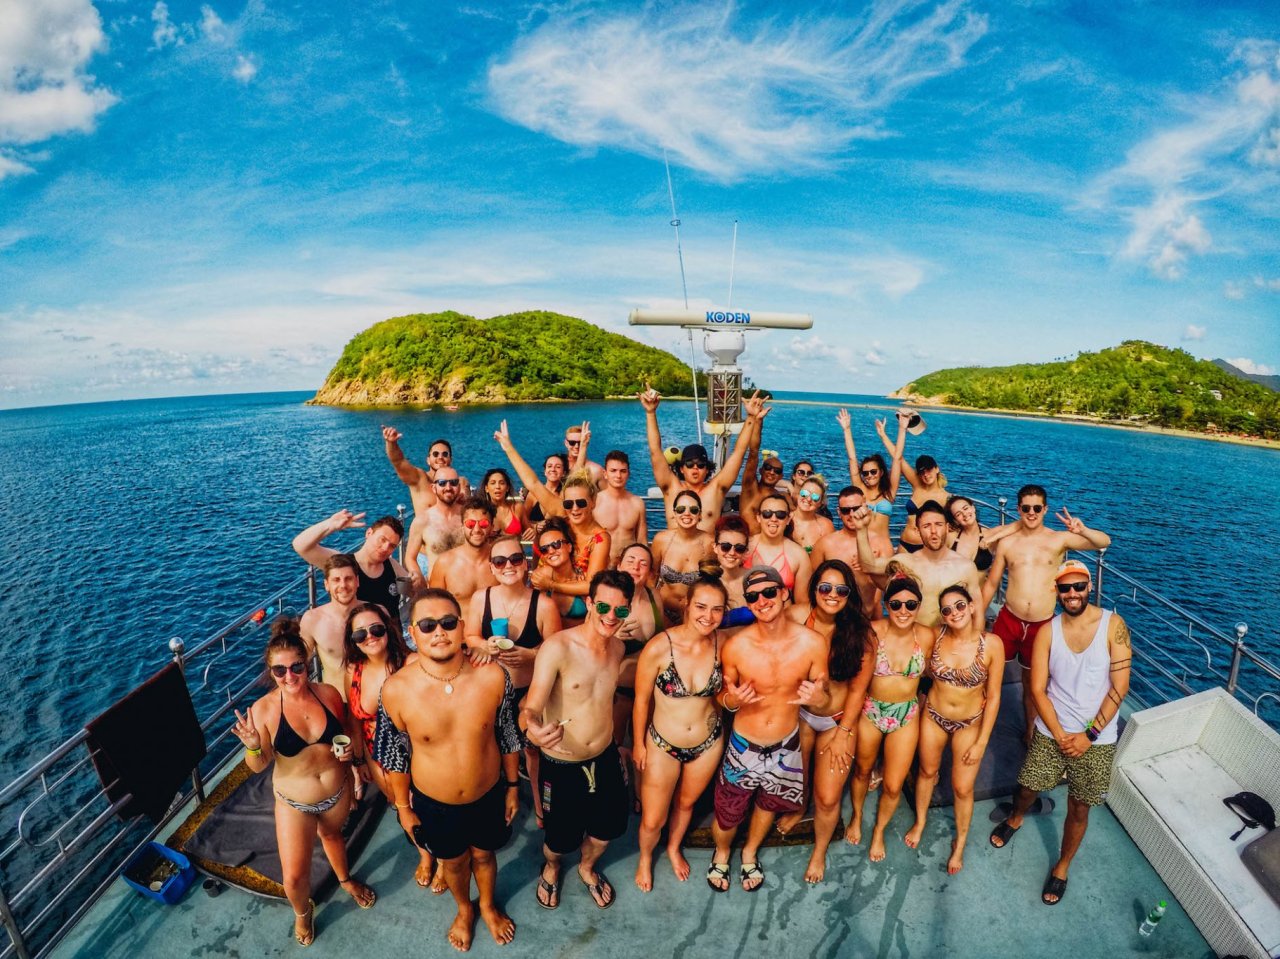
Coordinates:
1253 810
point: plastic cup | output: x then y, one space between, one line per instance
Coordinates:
341 746
499 627
503 643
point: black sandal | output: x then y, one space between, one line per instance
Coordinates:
1004 832
1053 886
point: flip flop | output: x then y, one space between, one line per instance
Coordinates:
600 890
1004 832
364 900
751 870
718 870
552 889
1053 886
310 916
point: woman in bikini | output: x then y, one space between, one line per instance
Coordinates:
294 725
889 708
556 567
732 539
771 548
521 616
509 517
870 474
973 541
807 524
967 666
677 678
554 471
834 612
678 550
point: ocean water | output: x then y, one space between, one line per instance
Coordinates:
128 523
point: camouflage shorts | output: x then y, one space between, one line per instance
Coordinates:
1088 776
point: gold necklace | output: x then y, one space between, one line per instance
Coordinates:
448 683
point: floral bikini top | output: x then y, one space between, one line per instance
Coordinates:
670 683
915 665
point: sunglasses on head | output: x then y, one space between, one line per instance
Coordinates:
739 548
805 494
897 604
553 544
959 606
1031 507
1065 588
681 510
773 514
473 523
515 559
769 592
826 589
622 611
574 503
452 482
846 510
428 625
279 672
376 630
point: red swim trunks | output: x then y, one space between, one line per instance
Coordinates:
1018 635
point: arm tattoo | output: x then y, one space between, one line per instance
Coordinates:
1122 635
1120 665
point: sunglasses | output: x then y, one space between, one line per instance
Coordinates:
846 510
804 472
959 606
279 672
515 559
574 503
771 469
697 464
874 472
773 514
897 604
376 630
1036 508
473 523
1065 588
622 611
440 454
805 494
769 592
452 482
552 544
428 625
826 589
739 548
573 442
681 510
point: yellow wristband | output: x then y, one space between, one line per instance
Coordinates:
403 805
253 752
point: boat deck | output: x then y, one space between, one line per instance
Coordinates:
904 906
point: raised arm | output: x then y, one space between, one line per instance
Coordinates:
851 451
662 473
307 543
548 500
898 466
417 479
752 465
1079 536
867 559
756 412
584 437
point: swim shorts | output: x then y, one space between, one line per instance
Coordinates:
1018 635
1088 776
448 830
580 799
771 775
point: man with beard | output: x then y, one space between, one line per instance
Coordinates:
380 577
323 628
464 569
568 713
448 740
438 493
771 669
619 510
1080 667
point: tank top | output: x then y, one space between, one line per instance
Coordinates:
382 589
1078 682
529 637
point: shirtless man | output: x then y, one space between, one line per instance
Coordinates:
453 767
568 713
437 494
464 570
381 578
324 628
842 544
694 466
771 668
1032 554
619 510
934 566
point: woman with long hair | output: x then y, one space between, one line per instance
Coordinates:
967 666
557 567
872 475
973 540
679 736
678 550
808 525
554 469
509 517
732 544
294 726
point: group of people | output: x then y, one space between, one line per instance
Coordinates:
770 656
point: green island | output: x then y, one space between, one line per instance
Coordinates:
1136 383
519 357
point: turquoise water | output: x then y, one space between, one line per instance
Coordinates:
127 523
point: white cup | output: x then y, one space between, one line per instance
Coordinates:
341 746
503 643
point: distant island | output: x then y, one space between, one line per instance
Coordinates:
454 358
1135 383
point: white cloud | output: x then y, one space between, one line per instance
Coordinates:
165 33
1246 365
1263 283
722 96
10 166
211 25
246 69
1193 332
45 46
873 358
1233 291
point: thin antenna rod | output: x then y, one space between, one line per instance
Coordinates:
733 261
693 354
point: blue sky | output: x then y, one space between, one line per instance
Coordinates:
214 197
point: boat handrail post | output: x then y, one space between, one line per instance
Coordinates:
1101 565
1237 654
12 928
311 587
178 648
400 512
1003 501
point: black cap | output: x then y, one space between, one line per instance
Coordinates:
757 575
694 451
925 462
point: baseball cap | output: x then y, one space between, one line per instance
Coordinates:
1072 566
759 575
925 462
694 451
915 422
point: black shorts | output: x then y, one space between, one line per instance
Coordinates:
582 799
448 830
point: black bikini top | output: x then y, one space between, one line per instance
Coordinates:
288 743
